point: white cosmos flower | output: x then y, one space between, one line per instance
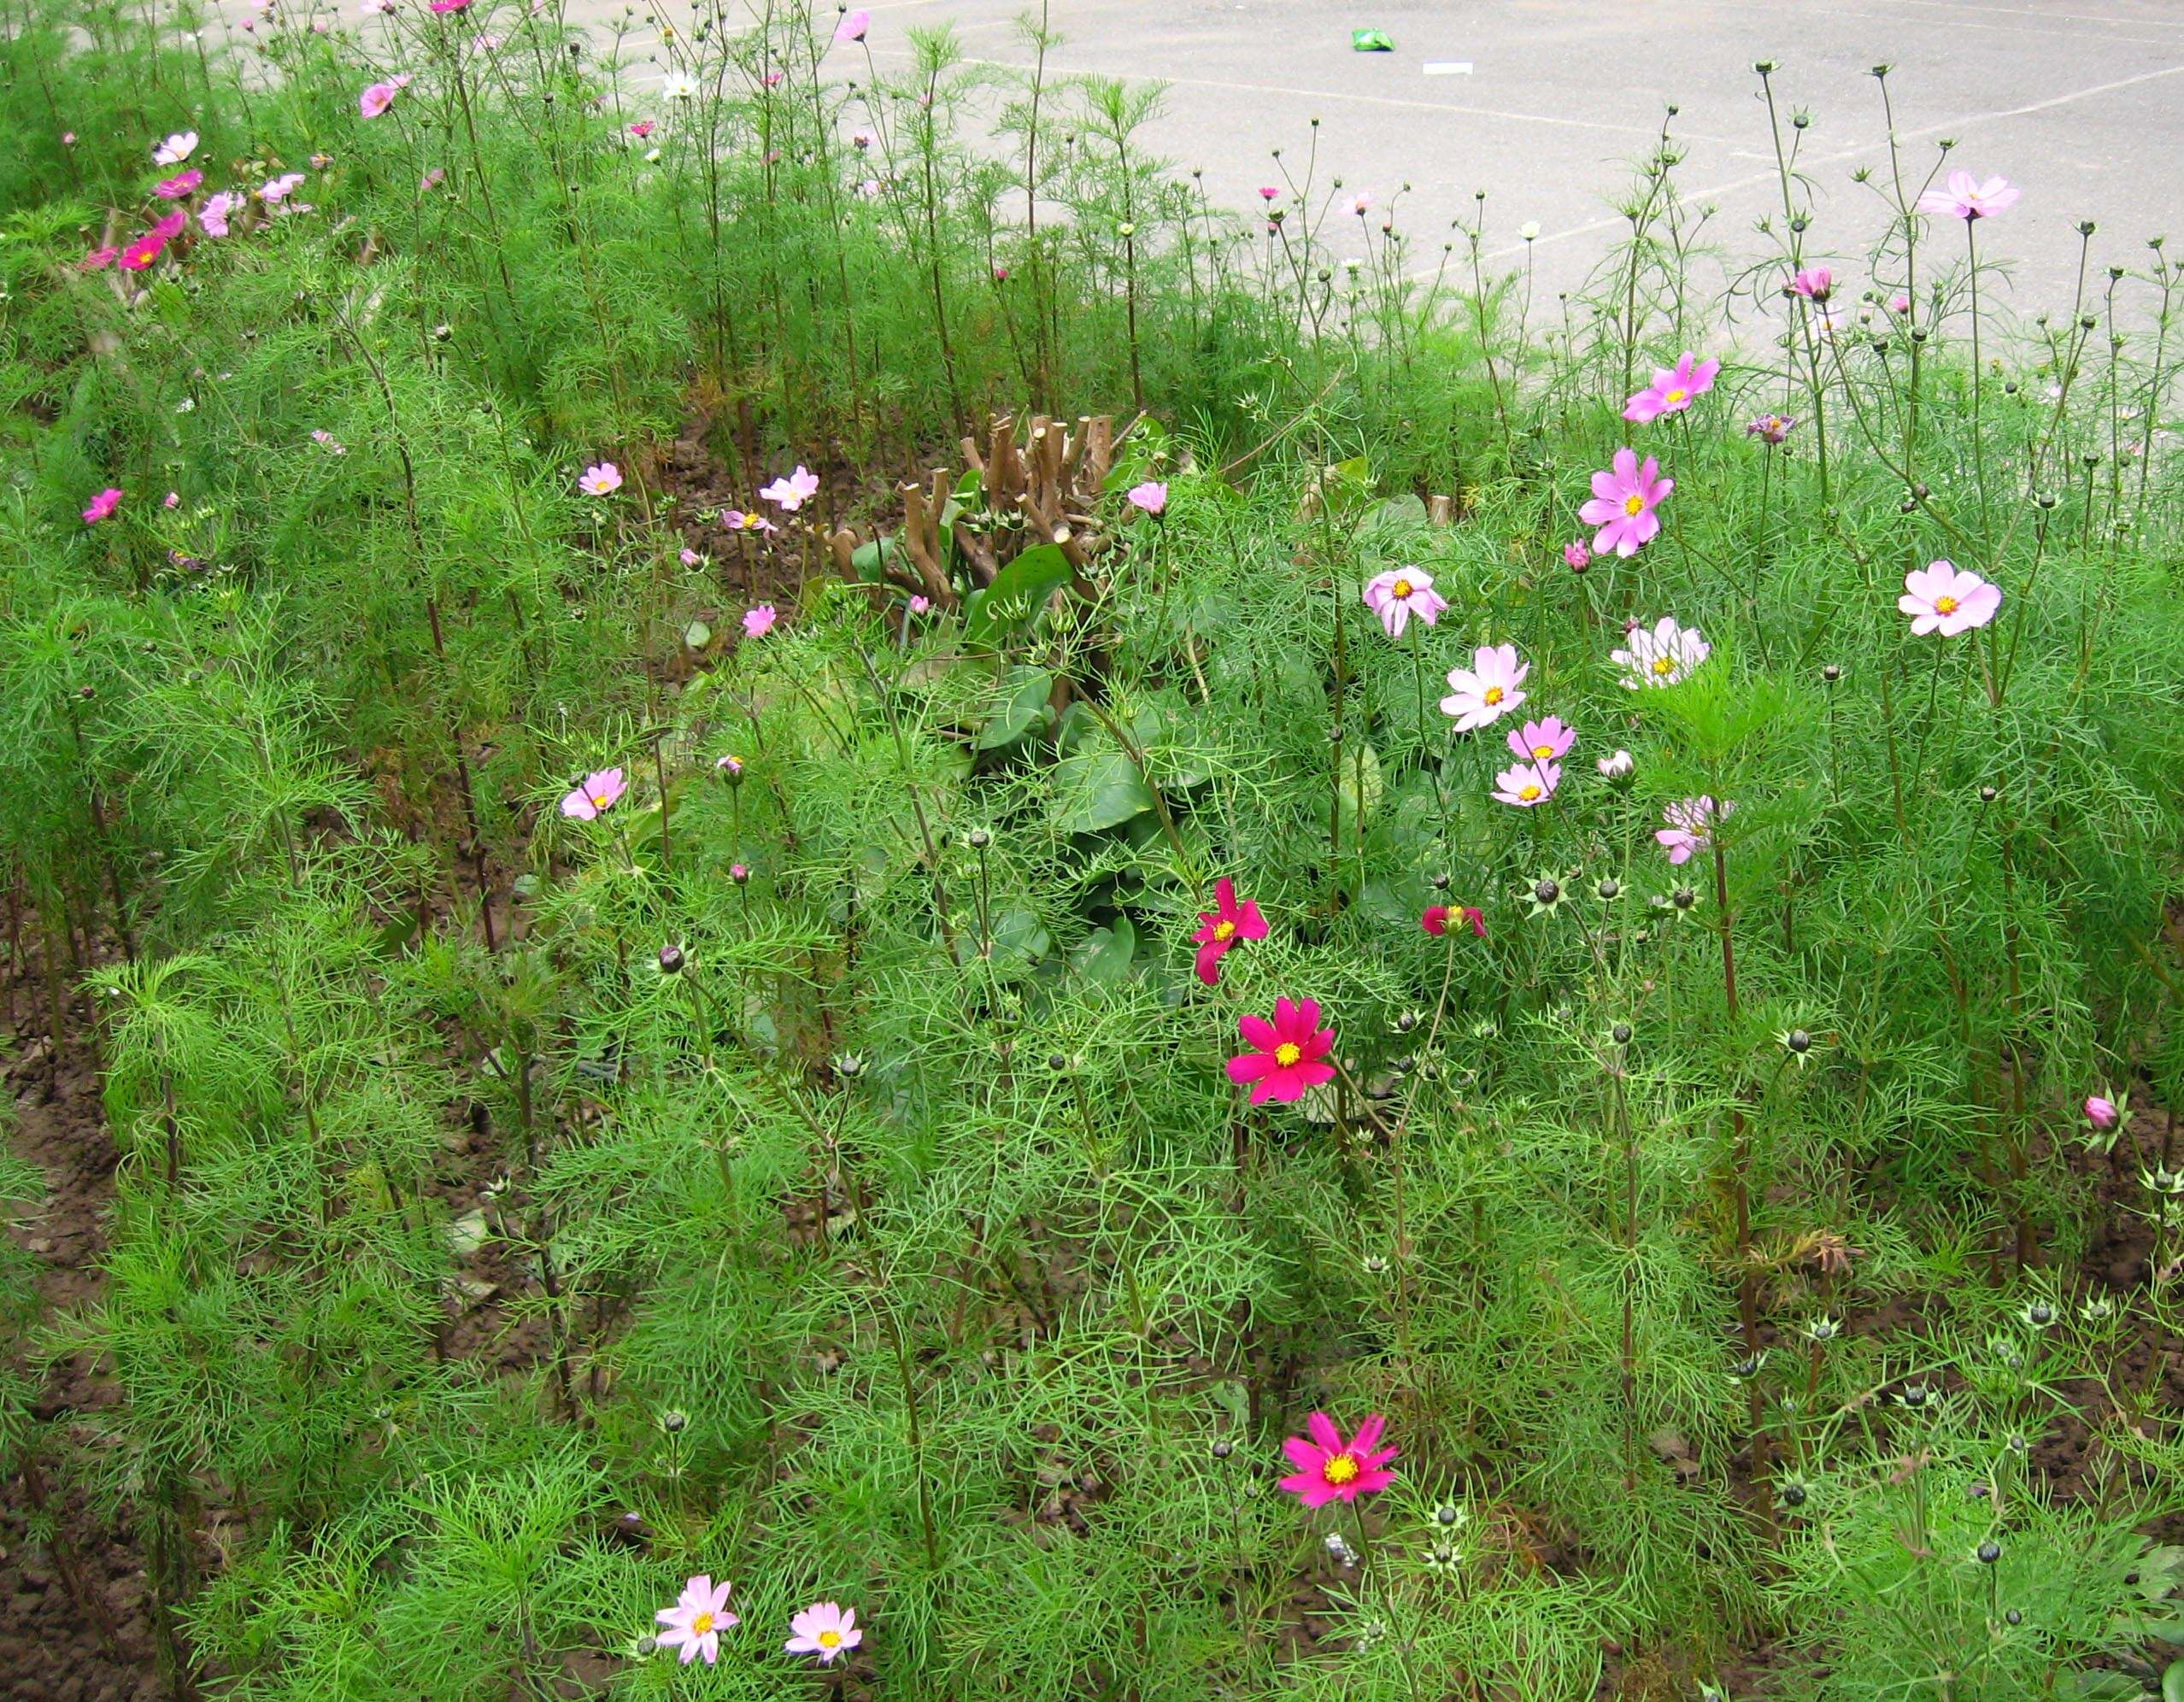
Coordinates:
680 86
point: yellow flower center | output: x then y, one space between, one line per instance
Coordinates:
1543 752
1492 695
1945 605
701 1624
830 1640
1288 1052
1402 588
1677 395
1342 1469
1661 664
1633 503
1529 793
1221 931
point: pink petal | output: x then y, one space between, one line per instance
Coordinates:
1259 1032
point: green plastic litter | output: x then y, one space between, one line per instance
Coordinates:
1371 41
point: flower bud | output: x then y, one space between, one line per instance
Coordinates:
671 959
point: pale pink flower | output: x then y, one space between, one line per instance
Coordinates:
1624 497
1360 203
1673 389
758 622
1484 693
102 505
326 441
853 25
1548 740
601 480
431 179
1577 556
219 208
792 492
1899 302
1400 593
180 184
98 259
172 152
1151 495
275 191
2102 1113
377 98
823 1628
1690 826
1966 197
1527 784
172 500
696 1621
736 520
1942 598
690 558
1771 428
1815 283
920 605
594 793
1664 655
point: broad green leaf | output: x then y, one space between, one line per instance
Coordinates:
1022 705
1358 790
1105 956
1096 789
871 559
1018 593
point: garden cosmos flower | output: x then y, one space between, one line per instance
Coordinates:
1615 766
1223 926
1690 826
1527 784
758 622
2101 1112
180 184
1484 693
1400 593
149 246
1437 918
378 97
792 492
1941 597
1673 389
212 216
1624 497
1151 496
680 85
1771 428
596 792
643 128
1966 197
176 148
275 191
602 480
825 1630
1287 1055
1329 1469
1814 284
735 519
1548 740
1664 655
853 25
696 1621
102 505
1577 556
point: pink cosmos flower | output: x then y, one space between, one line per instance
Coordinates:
219 208
1360 203
149 246
377 98
853 25
1223 927
1899 302
1578 557
1548 740
98 260
1000 275
919 605
1285 1056
1966 197
173 151
1942 598
596 792
1690 826
172 500
1527 784
823 1628
1484 693
275 191
326 441
794 491
431 179
1814 284
451 5
688 557
1664 655
102 505
1624 497
2102 1113
736 520
698 1617
1151 495
1438 917
1673 389
1329 1469
1400 593
643 128
181 184
758 622
602 480
1771 428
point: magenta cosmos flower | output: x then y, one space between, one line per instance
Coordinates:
792 492
1151 496
1663 654
1941 597
1548 740
1435 918
758 622
825 1630
1484 693
1624 497
180 184
594 793
1690 827
1223 927
602 480
854 25
1329 1469
1577 556
102 505
1966 197
1815 283
696 1621
1287 1055
1526 784
1400 593
1673 389
2101 1112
